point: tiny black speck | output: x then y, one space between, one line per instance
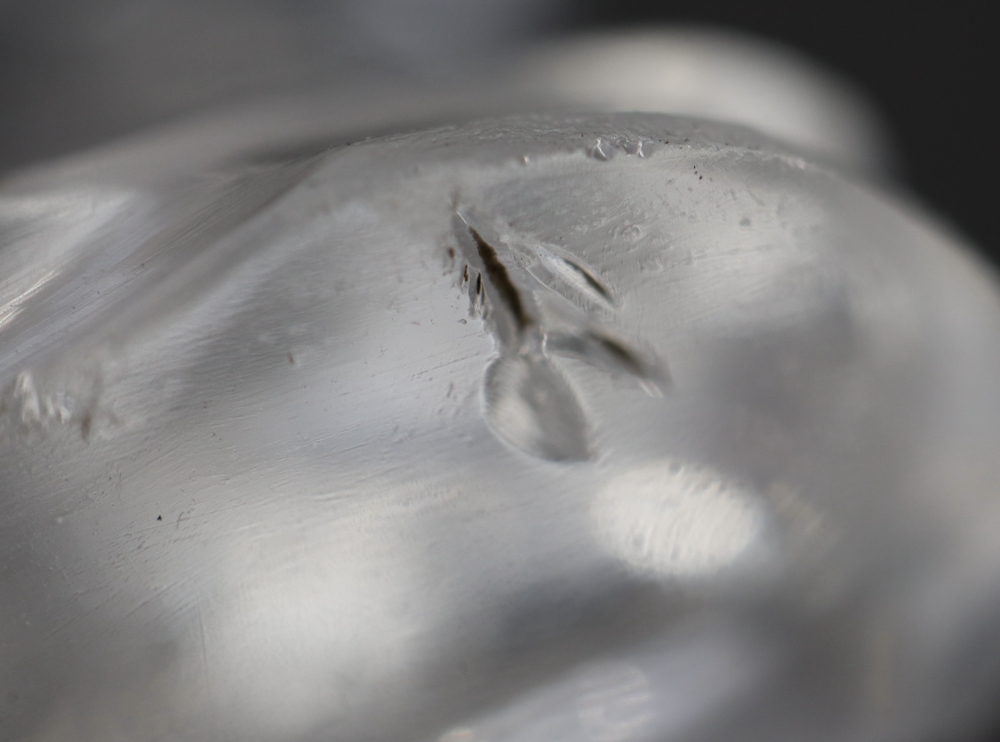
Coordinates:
159 517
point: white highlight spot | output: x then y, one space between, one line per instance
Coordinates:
676 520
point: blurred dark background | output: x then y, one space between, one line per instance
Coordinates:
78 72
932 68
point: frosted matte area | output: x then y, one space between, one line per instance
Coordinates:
611 428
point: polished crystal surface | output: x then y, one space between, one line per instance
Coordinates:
605 427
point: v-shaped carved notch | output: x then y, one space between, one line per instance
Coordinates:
528 402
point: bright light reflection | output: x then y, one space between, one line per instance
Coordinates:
676 520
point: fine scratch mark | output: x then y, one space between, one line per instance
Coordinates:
498 275
591 280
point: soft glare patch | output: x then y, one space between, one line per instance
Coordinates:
675 520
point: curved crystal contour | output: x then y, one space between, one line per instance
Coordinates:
715 74
601 428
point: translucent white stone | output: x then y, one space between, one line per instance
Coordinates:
475 434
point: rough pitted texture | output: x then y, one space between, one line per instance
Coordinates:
611 428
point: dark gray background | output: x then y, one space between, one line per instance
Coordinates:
76 72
